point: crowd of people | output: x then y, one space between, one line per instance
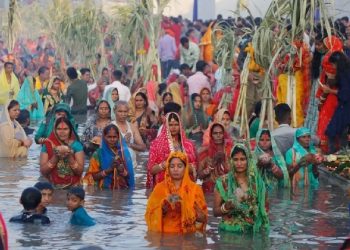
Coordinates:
184 125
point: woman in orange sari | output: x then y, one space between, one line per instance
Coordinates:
177 204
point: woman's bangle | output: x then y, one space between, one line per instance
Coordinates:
223 209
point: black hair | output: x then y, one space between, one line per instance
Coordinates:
109 128
144 97
184 66
103 101
42 70
8 63
282 112
345 18
216 125
84 70
184 40
23 117
173 116
341 61
72 73
66 121
12 104
200 65
30 198
117 74
194 95
237 150
78 192
167 94
104 69
41 185
317 58
161 88
172 107
265 132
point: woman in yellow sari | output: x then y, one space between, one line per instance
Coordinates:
9 85
177 204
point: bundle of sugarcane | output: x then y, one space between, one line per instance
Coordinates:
13 24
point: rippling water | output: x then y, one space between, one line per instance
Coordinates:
318 220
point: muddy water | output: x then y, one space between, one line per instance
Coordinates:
317 220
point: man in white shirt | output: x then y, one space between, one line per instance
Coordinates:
199 80
189 52
123 91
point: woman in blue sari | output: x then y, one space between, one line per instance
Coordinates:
29 99
302 161
271 163
111 165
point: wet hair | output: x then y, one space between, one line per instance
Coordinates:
72 73
12 104
66 121
78 192
42 70
144 97
282 112
117 74
237 150
109 128
41 185
165 95
30 198
103 101
184 40
84 70
173 116
200 65
172 107
24 115
120 103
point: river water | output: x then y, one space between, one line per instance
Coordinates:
317 220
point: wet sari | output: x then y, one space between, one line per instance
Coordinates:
27 96
180 219
62 175
3 234
250 214
270 180
305 176
6 87
103 158
211 156
160 149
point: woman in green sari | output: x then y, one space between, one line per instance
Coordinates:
271 163
302 160
52 94
29 99
239 196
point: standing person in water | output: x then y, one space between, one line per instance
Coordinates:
111 165
13 140
177 204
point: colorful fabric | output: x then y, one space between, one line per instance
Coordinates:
175 89
312 112
304 176
206 43
62 175
277 159
11 135
6 87
50 100
162 146
111 102
80 217
211 156
103 158
3 234
27 96
250 214
182 220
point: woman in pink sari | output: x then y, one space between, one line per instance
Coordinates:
172 138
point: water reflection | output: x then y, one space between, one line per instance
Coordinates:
310 220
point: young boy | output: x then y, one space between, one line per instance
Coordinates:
30 200
46 190
75 203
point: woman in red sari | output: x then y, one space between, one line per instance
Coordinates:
62 156
172 138
328 101
213 159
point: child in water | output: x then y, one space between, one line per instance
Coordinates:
30 200
46 190
75 203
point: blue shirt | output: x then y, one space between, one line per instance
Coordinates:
81 218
